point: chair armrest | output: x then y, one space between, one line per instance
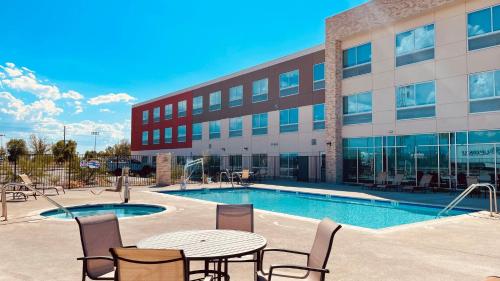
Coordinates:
307 268
210 278
282 251
131 246
95 258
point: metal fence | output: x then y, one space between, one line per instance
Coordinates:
262 167
77 170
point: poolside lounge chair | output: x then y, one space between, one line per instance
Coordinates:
118 187
16 190
379 180
395 184
152 265
317 258
236 217
425 181
98 234
27 181
245 177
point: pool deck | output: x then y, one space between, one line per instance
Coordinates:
459 248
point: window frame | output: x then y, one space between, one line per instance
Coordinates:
254 129
184 105
235 133
215 107
165 139
240 100
289 124
155 133
181 138
170 108
145 141
210 133
260 94
492 32
357 64
197 110
145 113
289 87
321 80
194 136
357 96
156 114
494 97
319 121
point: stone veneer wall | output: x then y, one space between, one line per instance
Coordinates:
163 169
364 18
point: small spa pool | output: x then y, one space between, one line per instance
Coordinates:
120 210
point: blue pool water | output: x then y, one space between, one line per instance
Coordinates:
120 210
375 214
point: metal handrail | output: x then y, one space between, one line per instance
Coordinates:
230 177
493 198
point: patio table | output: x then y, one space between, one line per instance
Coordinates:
208 245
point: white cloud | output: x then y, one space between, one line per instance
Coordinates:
111 98
24 79
35 111
78 107
105 110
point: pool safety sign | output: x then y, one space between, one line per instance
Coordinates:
91 164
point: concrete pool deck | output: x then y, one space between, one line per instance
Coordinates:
462 248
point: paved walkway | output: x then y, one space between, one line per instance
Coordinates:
465 248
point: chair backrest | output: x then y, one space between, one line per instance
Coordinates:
472 180
381 177
26 179
235 217
245 174
425 180
322 246
119 184
98 234
398 178
149 264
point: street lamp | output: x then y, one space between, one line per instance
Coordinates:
1 140
95 134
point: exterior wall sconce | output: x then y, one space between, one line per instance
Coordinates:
245 148
329 143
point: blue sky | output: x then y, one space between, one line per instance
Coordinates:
82 63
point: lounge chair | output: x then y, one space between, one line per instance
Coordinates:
118 187
395 184
16 190
425 181
27 181
98 234
152 265
473 180
236 217
317 258
379 180
244 178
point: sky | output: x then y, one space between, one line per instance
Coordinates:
83 63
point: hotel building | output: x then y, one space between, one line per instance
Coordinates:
402 87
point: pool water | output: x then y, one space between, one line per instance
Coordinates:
120 210
374 214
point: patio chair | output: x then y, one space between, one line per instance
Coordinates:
425 181
245 177
236 217
118 187
473 180
395 184
379 180
151 265
98 234
492 278
15 189
27 181
317 258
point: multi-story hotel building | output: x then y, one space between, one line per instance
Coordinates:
402 87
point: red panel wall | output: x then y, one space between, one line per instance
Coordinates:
138 127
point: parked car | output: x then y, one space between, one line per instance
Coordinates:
115 166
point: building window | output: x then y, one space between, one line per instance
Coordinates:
235 162
288 164
145 116
145 136
156 114
259 162
416 101
181 133
235 127
156 136
215 103
214 129
168 135
259 90
181 108
415 45
357 108
168 112
484 91
357 60
319 116
259 124
319 76
483 28
289 83
289 120
197 105
236 96
197 131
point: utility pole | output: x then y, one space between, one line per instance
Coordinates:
64 137
95 134
1 140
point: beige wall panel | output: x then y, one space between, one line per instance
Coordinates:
451 50
415 126
357 130
450 30
473 5
383 80
451 90
379 117
452 124
384 99
413 73
483 60
484 121
457 109
357 84
451 67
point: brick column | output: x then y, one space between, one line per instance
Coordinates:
333 105
163 169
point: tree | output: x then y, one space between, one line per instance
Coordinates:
38 145
63 152
16 148
120 149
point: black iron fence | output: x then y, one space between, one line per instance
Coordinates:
261 167
77 170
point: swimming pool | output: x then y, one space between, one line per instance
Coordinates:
120 210
374 214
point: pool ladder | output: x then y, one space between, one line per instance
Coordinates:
53 202
493 198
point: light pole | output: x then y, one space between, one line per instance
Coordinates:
95 134
1 140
